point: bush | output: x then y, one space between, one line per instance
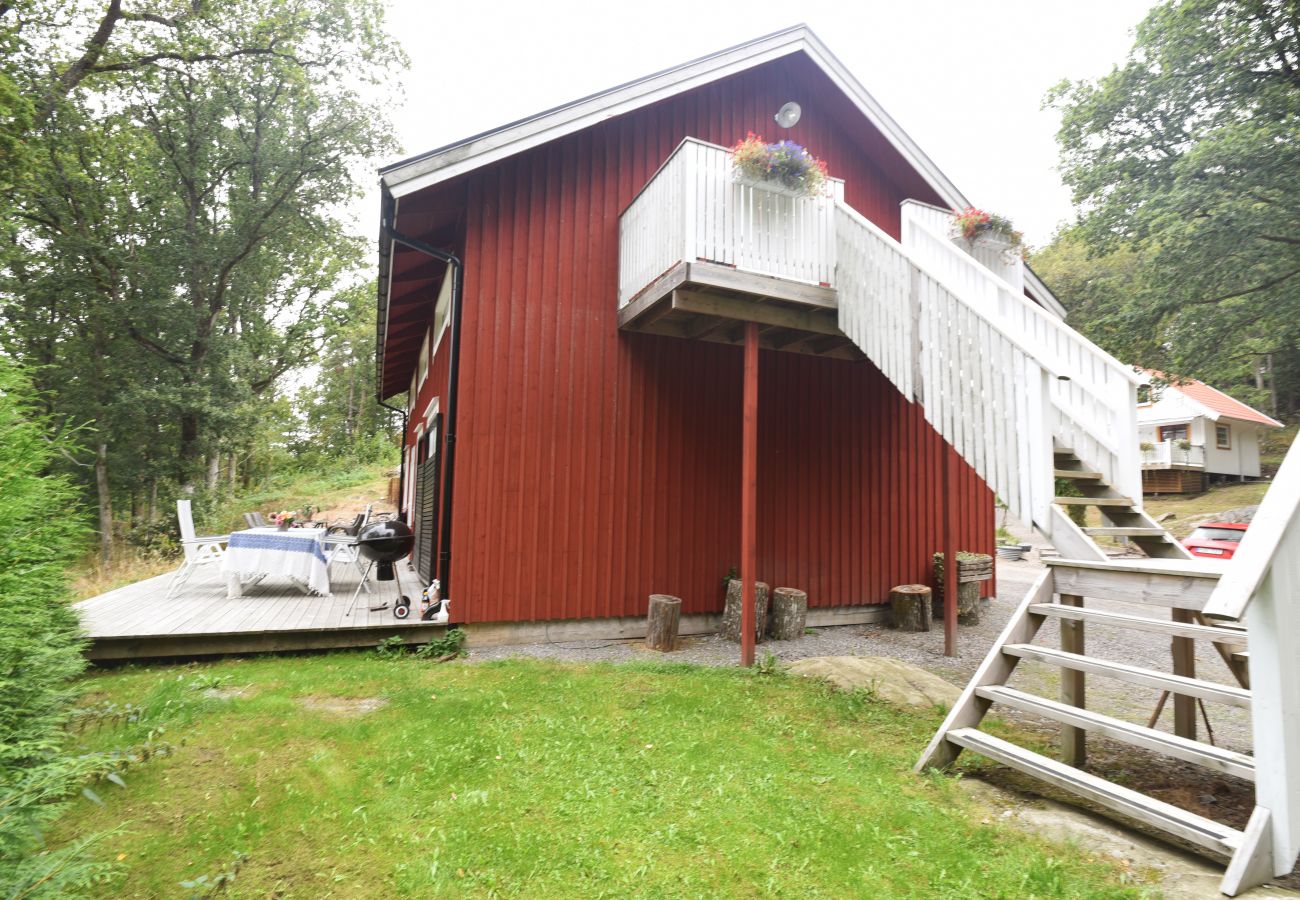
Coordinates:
40 649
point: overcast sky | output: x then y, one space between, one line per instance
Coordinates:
965 79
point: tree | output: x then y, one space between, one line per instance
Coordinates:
1189 154
338 408
40 650
178 242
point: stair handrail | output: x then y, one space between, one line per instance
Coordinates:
1276 520
958 293
1025 303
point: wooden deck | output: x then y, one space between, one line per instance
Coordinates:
140 622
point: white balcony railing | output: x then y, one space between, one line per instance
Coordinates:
693 208
1168 454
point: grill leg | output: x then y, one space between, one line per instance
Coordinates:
357 592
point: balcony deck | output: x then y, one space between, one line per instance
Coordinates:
701 254
139 621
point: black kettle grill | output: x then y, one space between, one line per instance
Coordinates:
383 544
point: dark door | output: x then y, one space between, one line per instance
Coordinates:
426 501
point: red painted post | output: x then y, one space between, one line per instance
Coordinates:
950 573
749 497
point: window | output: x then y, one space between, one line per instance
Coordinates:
1173 432
1223 437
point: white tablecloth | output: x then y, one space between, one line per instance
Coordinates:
296 554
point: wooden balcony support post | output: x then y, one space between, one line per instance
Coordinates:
951 567
749 496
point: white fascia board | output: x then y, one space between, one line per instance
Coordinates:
546 127
402 179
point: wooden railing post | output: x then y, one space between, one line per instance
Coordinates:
1074 741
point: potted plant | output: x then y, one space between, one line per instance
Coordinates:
978 226
783 166
283 519
1146 446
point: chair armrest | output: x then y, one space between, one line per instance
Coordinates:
215 539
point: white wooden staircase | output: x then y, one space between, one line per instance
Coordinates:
1028 402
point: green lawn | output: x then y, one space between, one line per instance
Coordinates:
352 775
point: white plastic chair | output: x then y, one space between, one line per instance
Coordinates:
199 551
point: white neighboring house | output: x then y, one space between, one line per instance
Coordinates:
1192 433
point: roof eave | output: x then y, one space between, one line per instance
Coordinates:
447 162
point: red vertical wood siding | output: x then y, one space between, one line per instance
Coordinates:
596 467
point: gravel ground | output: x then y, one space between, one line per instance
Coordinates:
1231 726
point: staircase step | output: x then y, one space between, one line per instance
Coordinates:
1078 474
1234 636
1188 826
1094 501
1178 684
1122 531
1167 583
1210 757
1062 451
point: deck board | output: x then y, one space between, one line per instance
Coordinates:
139 620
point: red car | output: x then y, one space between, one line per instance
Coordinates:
1215 540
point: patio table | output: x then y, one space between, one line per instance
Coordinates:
297 554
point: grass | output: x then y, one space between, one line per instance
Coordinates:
523 778
1187 507
337 493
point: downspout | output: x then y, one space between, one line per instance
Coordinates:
401 463
453 387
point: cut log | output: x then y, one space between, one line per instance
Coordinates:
731 613
968 603
661 622
972 568
911 607
789 614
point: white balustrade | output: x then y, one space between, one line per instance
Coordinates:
1093 394
694 209
1167 454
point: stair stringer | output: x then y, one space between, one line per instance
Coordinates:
1251 852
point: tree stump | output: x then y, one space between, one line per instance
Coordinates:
789 614
968 603
662 621
910 605
972 568
731 613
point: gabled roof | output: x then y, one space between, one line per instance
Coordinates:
423 170
1216 403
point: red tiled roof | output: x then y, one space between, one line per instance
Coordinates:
1216 400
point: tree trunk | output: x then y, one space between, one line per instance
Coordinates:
187 455
662 622
789 614
153 500
911 607
105 498
731 613
234 470
214 472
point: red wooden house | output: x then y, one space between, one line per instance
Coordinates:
570 301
